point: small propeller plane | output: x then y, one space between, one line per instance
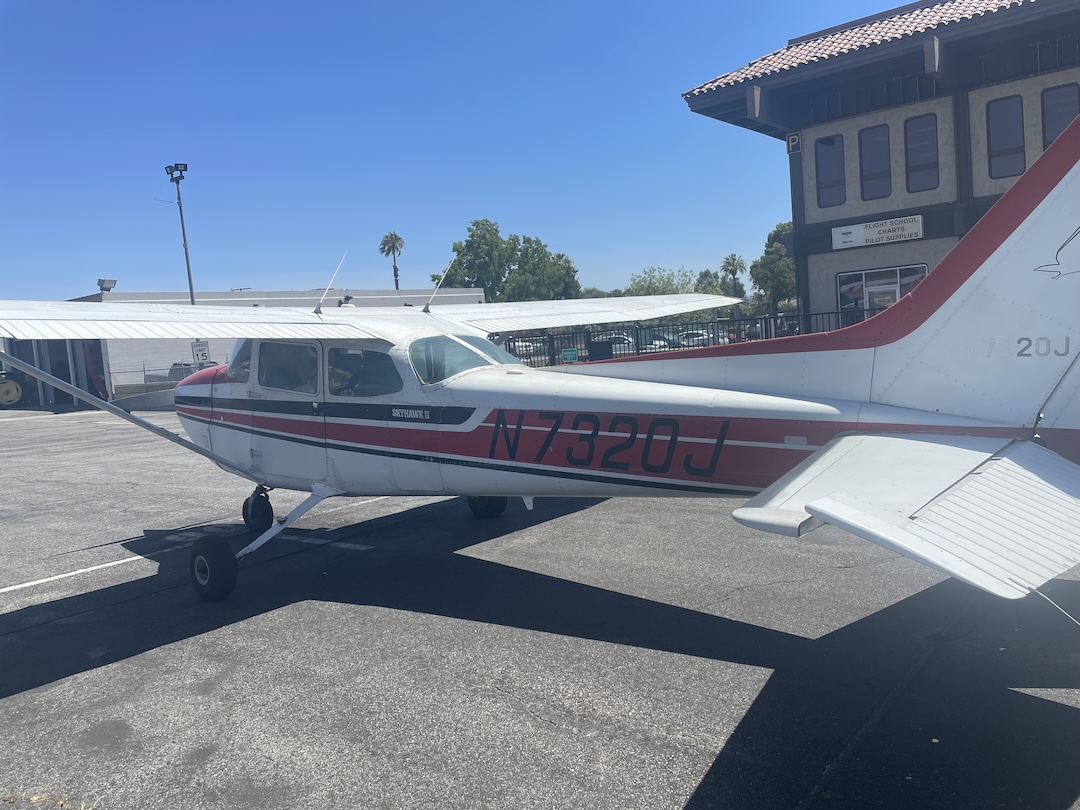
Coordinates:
946 428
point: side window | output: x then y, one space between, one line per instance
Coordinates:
875 163
359 373
1060 105
831 182
921 153
289 367
1005 137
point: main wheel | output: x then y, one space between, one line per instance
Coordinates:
213 568
485 507
258 513
10 391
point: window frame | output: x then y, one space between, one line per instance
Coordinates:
869 153
1075 87
835 142
1009 150
912 169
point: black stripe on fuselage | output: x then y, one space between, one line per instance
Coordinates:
482 464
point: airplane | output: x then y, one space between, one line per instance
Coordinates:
946 428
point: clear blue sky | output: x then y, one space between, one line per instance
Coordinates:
315 128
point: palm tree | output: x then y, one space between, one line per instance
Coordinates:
391 246
732 266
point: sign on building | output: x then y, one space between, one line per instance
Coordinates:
882 232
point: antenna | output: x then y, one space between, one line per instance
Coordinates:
427 306
318 306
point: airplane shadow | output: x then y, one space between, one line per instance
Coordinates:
911 706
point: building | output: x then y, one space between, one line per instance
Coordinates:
113 369
902 129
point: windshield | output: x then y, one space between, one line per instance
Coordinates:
239 367
437 358
496 353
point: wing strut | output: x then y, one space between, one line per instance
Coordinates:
319 493
108 407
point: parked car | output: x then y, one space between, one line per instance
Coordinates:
694 338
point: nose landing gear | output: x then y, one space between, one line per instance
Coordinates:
257 511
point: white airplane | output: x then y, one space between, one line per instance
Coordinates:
946 428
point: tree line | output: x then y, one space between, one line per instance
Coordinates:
523 268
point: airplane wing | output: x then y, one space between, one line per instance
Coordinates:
522 315
74 320
996 513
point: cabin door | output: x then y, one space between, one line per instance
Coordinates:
288 436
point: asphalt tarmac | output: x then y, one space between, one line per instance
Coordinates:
398 653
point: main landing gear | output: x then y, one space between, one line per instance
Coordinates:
487 506
257 511
212 564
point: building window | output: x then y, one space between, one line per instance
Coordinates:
1060 105
875 164
921 153
867 292
1005 136
831 182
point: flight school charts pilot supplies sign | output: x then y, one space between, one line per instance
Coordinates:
865 234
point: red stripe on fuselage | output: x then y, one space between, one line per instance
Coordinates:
742 453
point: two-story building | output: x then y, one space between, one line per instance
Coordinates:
902 129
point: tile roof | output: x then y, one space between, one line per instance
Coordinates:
904 22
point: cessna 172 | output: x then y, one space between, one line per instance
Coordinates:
946 428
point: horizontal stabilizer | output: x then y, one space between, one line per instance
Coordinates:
997 514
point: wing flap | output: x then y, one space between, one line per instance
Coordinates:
1005 524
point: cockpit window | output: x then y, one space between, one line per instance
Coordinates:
438 358
289 366
239 367
499 355
361 373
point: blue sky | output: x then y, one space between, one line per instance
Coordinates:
314 128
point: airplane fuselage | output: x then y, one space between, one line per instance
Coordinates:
511 430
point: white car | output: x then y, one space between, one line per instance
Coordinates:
694 338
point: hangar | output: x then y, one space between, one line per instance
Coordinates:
902 129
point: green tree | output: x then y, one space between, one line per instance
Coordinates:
732 267
512 269
596 292
391 246
708 283
658 281
773 274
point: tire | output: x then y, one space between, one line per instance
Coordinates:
258 513
486 507
10 392
213 568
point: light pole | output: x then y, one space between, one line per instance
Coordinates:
176 174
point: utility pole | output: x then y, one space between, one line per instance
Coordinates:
176 174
